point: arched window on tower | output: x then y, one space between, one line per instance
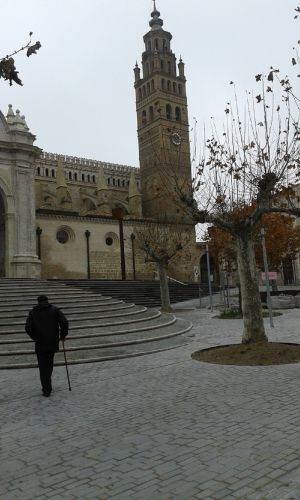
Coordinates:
156 43
152 84
75 176
39 171
162 65
52 172
82 177
148 88
88 178
169 86
178 114
169 67
94 179
114 182
123 183
147 69
47 172
151 113
140 93
118 182
180 89
174 88
144 116
169 112
70 176
163 84
149 46
144 91
165 45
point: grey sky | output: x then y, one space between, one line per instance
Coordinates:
78 94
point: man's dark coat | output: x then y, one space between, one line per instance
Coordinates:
45 325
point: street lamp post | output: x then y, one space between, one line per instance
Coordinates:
209 280
266 266
132 237
39 247
118 214
87 235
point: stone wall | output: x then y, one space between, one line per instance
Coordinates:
68 259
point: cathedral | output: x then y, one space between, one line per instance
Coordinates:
65 217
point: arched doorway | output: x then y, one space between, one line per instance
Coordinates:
288 272
204 270
2 237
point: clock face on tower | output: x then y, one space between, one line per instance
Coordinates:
176 139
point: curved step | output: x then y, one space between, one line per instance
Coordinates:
109 352
136 316
154 323
103 301
70 312
121 306
58 300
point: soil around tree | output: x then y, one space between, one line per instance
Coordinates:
256 354
236 314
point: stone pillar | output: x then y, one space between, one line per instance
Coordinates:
17 174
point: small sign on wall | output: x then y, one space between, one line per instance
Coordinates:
273 276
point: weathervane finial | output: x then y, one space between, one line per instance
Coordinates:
156 22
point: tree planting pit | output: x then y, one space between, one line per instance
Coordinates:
254 354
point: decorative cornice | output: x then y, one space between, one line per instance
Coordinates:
45 214
93 165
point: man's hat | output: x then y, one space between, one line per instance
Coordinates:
42 298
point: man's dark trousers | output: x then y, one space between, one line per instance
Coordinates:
45 362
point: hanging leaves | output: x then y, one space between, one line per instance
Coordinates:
33 49
8 69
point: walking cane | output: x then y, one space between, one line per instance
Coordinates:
63 344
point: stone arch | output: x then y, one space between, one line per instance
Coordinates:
288 271
204 270
2 237
7 218
120 204
7 196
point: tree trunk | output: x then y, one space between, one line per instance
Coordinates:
254 330
164 287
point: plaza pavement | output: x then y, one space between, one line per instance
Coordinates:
157 427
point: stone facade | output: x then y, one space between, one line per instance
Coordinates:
49 202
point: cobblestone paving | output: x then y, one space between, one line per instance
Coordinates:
156 427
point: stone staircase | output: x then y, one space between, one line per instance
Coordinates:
140 292
101 327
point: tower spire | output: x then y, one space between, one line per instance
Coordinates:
156 23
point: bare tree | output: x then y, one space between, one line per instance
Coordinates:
161 242
8 70
250 169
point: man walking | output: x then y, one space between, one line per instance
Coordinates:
46 325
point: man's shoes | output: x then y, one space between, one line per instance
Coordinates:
46 394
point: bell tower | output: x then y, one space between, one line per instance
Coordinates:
163 128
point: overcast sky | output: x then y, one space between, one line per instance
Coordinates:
78 95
